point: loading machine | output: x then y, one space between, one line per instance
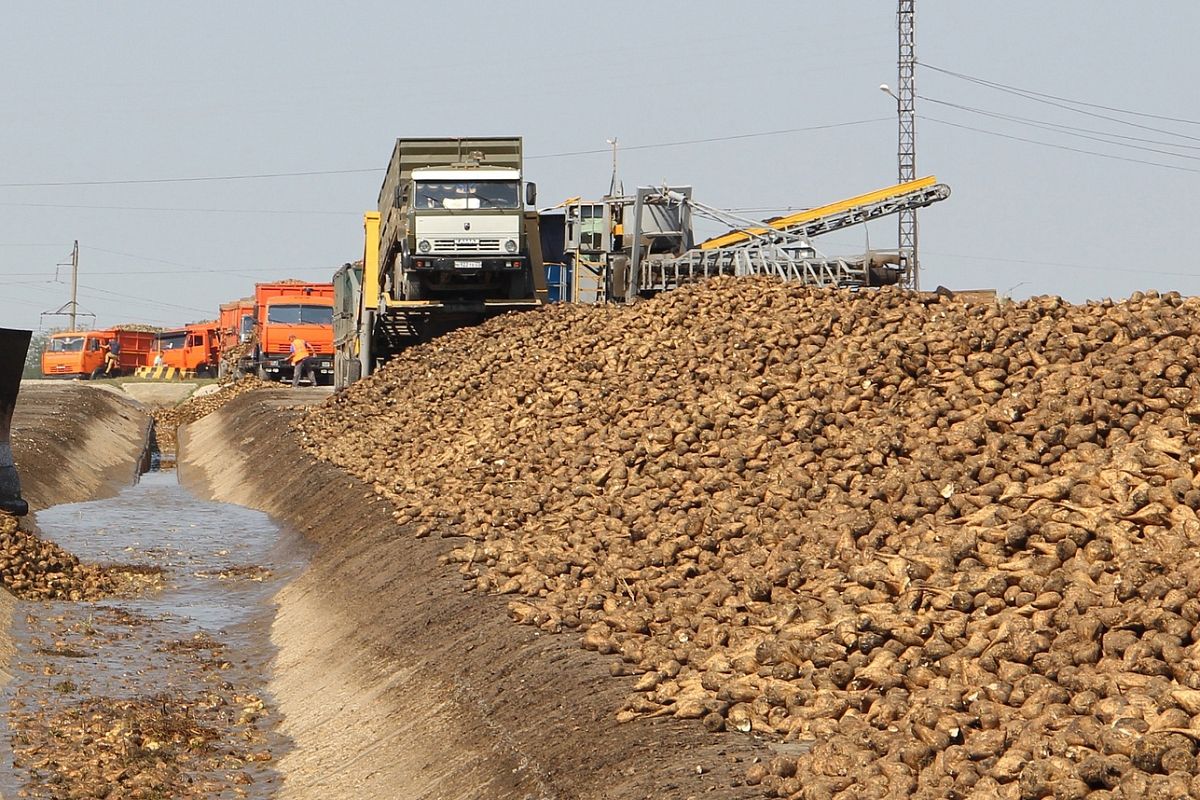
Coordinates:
634 246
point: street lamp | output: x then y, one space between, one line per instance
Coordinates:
883 87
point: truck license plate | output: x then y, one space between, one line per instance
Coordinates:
468 265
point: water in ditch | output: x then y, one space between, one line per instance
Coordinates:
163 694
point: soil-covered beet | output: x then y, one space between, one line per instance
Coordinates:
952 544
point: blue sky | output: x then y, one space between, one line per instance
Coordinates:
134 91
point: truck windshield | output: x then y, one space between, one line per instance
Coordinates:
66 344
300 315
169 341
460 195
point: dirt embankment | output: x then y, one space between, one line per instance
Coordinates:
393 681
73 443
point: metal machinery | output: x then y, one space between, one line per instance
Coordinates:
611 241
661 225
13 347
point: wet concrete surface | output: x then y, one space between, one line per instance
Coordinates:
162 694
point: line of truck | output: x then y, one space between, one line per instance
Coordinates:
250 336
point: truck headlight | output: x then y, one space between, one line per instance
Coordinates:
510 246
424 246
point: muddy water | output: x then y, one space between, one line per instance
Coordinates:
163 694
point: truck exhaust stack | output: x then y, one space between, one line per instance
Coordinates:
13 347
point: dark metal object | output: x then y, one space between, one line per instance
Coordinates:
13 347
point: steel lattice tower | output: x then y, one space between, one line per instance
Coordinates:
906 90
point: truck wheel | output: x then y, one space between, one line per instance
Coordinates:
96 373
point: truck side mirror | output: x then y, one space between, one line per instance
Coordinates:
530 193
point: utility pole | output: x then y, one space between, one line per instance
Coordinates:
906 88
71 308
74 282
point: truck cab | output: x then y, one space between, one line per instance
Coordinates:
192 348
283 310
454 221
80 354
73 354
467 226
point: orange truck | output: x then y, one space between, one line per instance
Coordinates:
81 354
235 325
286 309
192 348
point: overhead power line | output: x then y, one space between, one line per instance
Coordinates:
180 209
146 300
247 271
998 85
1068 130
1067 148
1037 98
684 142
190 179
312 173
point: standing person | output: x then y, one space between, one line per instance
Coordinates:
300 355
112 362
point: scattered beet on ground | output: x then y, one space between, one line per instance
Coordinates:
953 545
167 419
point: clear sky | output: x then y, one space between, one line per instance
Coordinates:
140 91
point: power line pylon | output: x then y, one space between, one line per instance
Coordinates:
906 89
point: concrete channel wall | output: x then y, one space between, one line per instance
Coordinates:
395 682
75 442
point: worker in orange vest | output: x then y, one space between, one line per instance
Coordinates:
300 355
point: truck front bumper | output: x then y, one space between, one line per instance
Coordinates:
460 263
278 367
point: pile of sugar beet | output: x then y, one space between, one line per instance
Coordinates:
33 568
953 546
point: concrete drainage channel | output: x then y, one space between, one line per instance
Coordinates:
159 691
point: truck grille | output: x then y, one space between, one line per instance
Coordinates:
466 245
